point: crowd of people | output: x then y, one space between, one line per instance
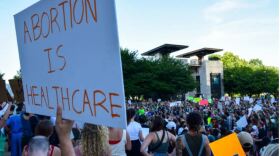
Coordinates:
184 130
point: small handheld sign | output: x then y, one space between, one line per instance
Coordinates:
228 145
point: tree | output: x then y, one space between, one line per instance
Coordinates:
214 57
248 77
256 62
18 75
154 78
172 77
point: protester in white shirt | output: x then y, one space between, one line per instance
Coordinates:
134 130
119 141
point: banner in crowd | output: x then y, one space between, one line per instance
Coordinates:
203 102
257 108
190 98
220 106
175 104
242 122
197 99
237 101
70 56
228 145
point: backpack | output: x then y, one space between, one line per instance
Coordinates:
187 145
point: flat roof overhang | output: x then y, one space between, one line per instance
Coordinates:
199 52
164 49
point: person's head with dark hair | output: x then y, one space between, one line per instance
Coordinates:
142 119
194 121
26 114
224 132
215 133
157 124
44 128
18 110
209 114
12 108
130 114
43 117
227 114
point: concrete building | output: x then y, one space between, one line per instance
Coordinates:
208 73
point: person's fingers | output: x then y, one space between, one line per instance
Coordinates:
58 115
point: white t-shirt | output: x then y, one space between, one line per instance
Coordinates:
119 149
133 130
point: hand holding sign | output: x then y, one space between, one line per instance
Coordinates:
63 129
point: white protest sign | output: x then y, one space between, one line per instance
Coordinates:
6 106
220 106
251 100
250 111
242 122
222 98
259 101
272 100
145 132
257 108
246 98
129 102
176 103
237 101
69 56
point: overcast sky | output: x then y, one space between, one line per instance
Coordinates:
249 28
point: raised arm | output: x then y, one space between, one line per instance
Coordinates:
63 129
6 115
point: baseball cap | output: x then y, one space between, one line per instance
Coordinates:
171 125
245 140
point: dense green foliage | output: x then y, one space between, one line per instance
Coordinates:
155 78
18 75
248 77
